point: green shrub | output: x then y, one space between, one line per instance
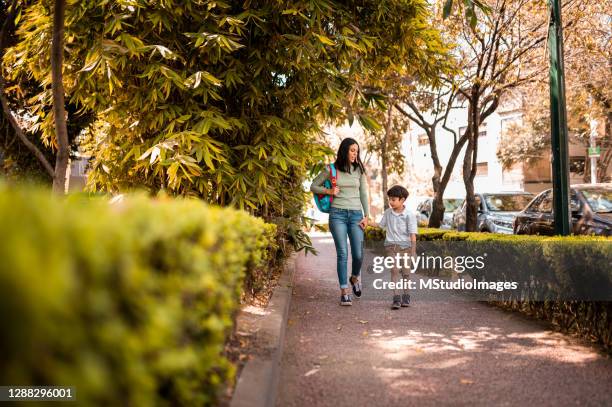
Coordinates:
131 303
373 234
559 272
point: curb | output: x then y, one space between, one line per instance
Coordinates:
257 385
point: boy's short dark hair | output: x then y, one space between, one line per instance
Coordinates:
397 191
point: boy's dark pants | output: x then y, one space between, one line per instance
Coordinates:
392 251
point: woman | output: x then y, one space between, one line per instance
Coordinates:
348 215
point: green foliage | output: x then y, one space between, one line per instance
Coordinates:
374 234
16 161
469 7
131 303
220 100
389 145
588 95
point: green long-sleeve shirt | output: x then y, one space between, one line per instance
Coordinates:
353 189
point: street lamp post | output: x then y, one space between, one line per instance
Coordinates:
558 116
593 152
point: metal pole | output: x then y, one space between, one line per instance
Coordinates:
593 145
592 142
558 118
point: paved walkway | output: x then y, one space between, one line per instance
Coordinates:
432 353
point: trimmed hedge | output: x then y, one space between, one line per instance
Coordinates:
131 303
591 319
373 234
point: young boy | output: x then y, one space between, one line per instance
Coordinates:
401 227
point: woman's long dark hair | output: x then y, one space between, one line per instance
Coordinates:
342 159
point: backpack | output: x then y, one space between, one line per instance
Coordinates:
324 201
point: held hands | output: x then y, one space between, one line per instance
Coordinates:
333 191
364 222
370 222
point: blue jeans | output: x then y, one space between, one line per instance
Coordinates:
343 223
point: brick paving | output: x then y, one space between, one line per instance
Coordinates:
430 354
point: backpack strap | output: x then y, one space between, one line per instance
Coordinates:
332 172
333 176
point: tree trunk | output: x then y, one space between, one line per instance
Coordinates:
440 179
437 209
602 165
59 112
471 212
450 166
469 165
586 178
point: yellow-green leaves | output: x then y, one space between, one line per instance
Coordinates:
218 100
151 284
469 7
223 42
163 51
194 80
369 123
134 44
324 39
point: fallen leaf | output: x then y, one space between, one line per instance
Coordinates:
365 333
363 322
466 381
323 357
311 372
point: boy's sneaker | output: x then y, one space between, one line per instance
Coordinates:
345 299
396 302
405 300
356 285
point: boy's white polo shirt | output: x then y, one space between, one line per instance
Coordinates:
399 227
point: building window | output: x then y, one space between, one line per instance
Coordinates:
481 132
423 140
482 169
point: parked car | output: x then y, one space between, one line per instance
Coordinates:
591 212
496 211
425 208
